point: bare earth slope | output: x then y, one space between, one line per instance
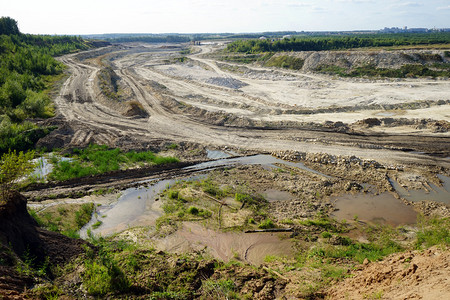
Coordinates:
410 275
197 101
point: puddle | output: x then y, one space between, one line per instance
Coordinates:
44 167
435 193
272 195
216 154
136 207
260 159
250 247
379 209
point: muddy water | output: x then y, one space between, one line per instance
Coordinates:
250 247
273 195
433 192
379 209
215 154
136 207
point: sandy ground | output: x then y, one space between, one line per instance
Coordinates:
152 75
411 275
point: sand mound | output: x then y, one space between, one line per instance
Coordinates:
410 275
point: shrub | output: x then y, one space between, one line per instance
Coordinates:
83 216
193 210
266 224
243 197
285 61
12 167
326 235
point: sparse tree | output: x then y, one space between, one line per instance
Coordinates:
13 166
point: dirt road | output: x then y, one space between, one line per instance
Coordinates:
199 90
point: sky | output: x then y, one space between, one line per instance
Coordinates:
213 16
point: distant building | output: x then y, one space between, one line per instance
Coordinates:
263 38
404 29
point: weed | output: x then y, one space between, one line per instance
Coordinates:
433 231
286 62
326 235
219 289
266 224
99 159
374 295
97 224
193 210
83 216
172 146
211 188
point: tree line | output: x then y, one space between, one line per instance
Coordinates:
321 43
27 70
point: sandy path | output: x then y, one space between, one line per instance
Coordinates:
77 101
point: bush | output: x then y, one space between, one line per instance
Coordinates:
286 62
326 235
243 198
193 210
266 224
83 216
12 167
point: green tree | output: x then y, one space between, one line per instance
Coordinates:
8 26
13 166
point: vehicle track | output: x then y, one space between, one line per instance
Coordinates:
78 102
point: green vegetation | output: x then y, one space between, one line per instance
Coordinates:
108 81
27 73
219 289
67 219
149 39
212 203
266 224
12 167
285 61
247 58
320 43
433 231
97 159
409 70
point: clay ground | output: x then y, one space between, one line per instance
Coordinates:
359 131
190 98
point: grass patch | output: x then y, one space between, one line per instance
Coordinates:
67 219
433 231
286 62
219 289
100 159
266 224
97 224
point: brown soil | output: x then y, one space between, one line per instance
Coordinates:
197 102
410 275
20 237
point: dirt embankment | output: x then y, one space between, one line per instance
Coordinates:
410 275
22 238
380 59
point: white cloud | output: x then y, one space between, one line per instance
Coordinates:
407 4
